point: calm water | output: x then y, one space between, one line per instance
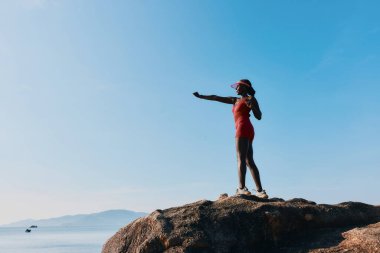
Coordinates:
54 239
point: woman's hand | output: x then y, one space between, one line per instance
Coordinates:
197 94
254 105
248 102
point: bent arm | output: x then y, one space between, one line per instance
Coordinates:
226 100
254 105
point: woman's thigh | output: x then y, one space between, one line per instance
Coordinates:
250 152
242 147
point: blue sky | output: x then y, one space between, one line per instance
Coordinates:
97 111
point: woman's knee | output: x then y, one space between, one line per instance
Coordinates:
242 160
250 162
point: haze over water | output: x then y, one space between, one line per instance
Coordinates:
54 239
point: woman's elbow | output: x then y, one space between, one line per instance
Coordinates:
258 116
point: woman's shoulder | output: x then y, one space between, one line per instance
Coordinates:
235 99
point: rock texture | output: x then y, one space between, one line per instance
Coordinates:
249 224
358 240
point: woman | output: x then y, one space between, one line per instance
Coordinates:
244 131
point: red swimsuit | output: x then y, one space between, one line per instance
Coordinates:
243 125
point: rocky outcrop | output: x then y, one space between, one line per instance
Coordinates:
357 240
249 224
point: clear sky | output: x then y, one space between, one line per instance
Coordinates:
97 111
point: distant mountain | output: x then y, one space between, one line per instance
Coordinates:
106 218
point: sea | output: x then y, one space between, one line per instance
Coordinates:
55 239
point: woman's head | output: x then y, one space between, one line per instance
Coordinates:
244 87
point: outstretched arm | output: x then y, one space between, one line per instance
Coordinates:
254 105
226 100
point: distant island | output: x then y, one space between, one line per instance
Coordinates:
106 218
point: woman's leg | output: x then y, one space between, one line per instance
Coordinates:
253 168
242 145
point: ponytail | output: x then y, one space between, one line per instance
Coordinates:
251 91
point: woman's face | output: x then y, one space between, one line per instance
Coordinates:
241 89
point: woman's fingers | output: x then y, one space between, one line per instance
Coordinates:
196 94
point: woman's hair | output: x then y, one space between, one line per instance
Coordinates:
250 90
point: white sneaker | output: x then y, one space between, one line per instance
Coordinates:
262 194
243 191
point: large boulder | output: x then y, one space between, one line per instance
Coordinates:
249 224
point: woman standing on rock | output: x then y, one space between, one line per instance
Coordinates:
244 131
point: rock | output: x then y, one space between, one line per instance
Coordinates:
223 196
357 240
250 224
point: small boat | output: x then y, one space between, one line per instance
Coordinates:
28 230
33 226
